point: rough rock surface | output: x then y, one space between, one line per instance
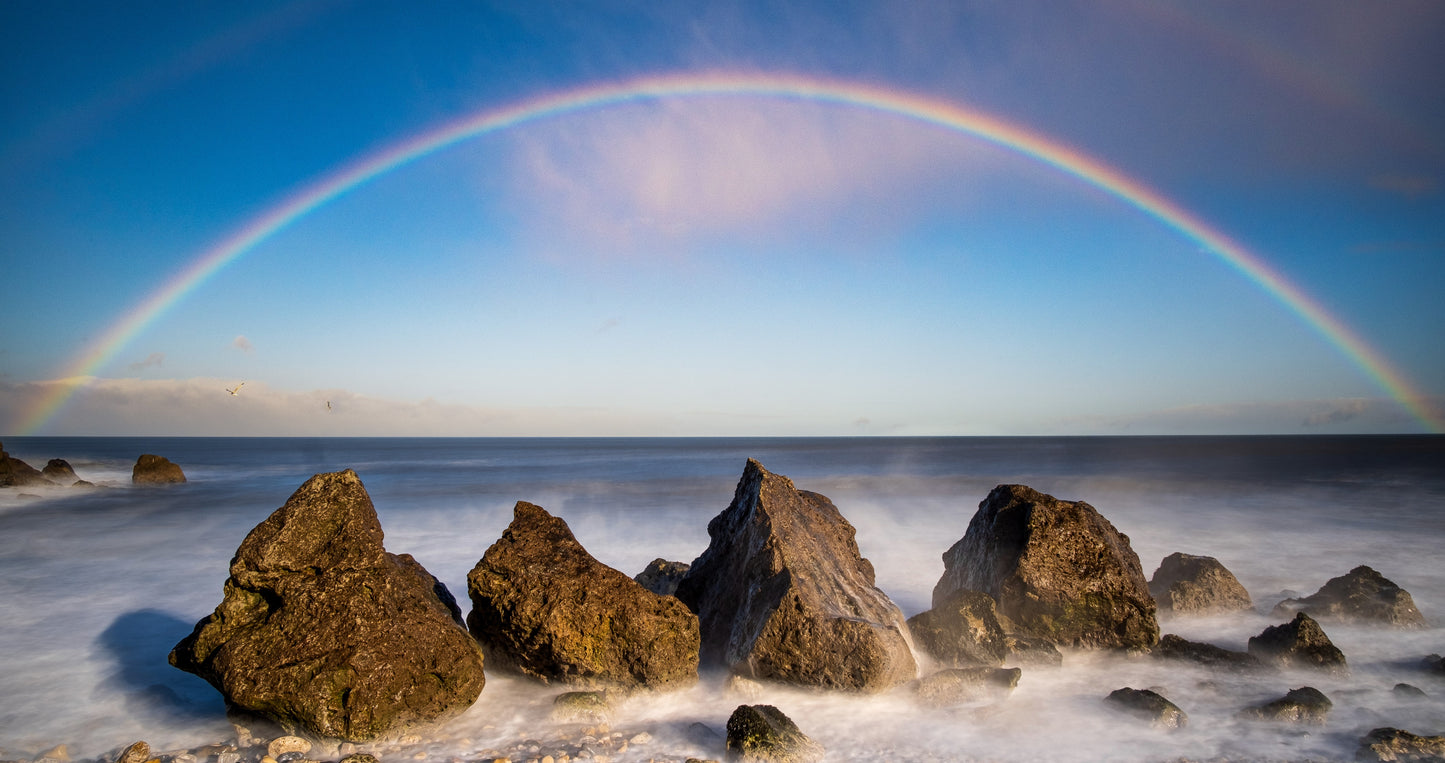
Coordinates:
1028 650
783 594
962 631
1300 643
959 685
1058 570
1303 705
151 469
321 629
1172 647
1197 585
17 473
1391 744
763 734
661 576
1148 705
1363 595
57 470
545 607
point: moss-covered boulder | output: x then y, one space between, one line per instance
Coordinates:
544 607
763 734
1058 570
322 630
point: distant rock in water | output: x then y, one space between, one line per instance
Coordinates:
1172 647
321 629
1363 595
962 631
1389 744
1303 705
1148 705
155 470
783 594
1435 664
17 473
1058 570
59 472
544 606
1197 585
763 734
661 576
1300 643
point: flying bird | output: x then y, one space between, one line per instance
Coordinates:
236 390
328 405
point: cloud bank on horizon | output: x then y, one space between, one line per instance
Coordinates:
725 265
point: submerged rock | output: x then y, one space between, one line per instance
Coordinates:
763 734
321 629
544 606
57 470
1434 663
1390 744
1172 647
959 685
1058 570
1148 705
1409 692
151 469
1028 650
1363 595
783 594
1303 705
1300 643
589 707
962 631
1197 585
661 576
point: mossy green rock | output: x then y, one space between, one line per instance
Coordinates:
543 606
322 630
763 734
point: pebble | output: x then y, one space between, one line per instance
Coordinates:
360 757
287 744
228 757
642 738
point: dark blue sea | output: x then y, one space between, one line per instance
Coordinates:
97 585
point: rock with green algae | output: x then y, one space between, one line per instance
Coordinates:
321 630
763 734
544 607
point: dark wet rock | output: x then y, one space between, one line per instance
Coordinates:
1172 647
545 607
1300 643
960 685
1391 744
783 594
1303 705
1028 650
17 473
1197 585
322 630
151 469
661 576
1434 664
1058 570
57 470
1148 705
962 631
1406 691
1363 595
763 734
82 483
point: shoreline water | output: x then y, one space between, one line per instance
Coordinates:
103 582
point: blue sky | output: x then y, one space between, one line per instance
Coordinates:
721 265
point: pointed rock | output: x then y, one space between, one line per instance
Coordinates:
1303 705
1300 643
1363 595
544 606
1197 585
783 594
321 629
661 576
763 734
57 470
1058 570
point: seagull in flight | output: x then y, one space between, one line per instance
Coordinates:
235 390
328 405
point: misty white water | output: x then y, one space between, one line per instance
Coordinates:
97 586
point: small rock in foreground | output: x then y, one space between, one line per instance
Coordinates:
1148 705
1390 744
763 734
959 685
1303 705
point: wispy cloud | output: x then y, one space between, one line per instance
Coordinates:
243 344
1347 415
1409 186
1341 411
153 360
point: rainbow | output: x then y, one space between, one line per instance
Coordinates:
916 107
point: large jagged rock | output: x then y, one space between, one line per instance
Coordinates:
661 576
321 629
1197 585
1300 643
962 631
17 473
1363 595
58 470
763 734
1058 570
783 594
1390 744
544 606
151 469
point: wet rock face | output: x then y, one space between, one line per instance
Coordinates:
1303 705
321 629
1394 744
763 734
1300 643
1197 585
151 469
545 607
1363 595
661 576
1058 570
962 631
1148 705
783 594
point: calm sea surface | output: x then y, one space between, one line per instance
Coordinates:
97 585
